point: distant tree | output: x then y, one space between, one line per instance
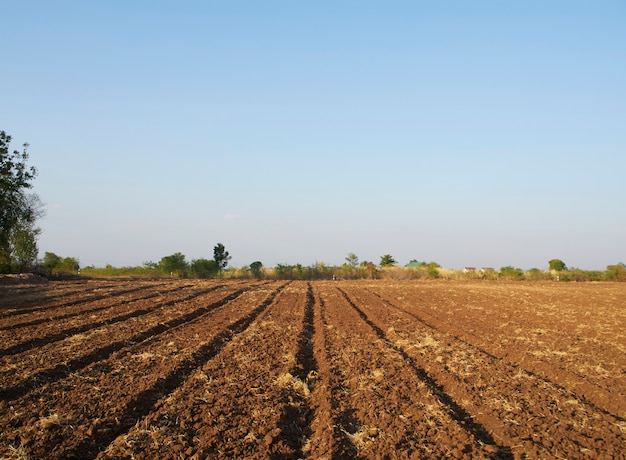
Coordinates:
536 274
174 264
18 210
352 260
256 269
616 272
221 256
51 261
69 264
203 268
284 272
556 264
369 268
512 273
387 261
149 265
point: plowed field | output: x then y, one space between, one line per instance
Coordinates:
269 369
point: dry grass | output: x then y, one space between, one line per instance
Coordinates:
359 438
289 382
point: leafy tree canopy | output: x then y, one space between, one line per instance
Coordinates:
556 264
387 261
175 263
18 210
256 269
352 260
221 256
204 268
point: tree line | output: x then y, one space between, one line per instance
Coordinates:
20 209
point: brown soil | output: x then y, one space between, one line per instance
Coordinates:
365 369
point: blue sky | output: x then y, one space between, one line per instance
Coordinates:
483 133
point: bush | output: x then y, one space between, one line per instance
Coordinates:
615 272
511 273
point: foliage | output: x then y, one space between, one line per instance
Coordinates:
317 271
23 246
433 269
369 268
352 260
557 264
284 272
174 264
535 274
18 210
576 274
203 268
615 272
257 269
51 261
69 264
511 273
350 269
55 264
387 261
221 256
148 269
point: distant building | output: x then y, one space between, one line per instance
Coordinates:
414 263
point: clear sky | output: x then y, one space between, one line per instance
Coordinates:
470 133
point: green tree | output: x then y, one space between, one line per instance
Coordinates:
69 264
221 256
174 264
256 269
616 272
387 261
369 268
18 210
51 261
352 260
204 268
511 273
556 264
23 247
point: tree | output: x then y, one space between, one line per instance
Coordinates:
369 268
512 273
556 264
51 261
256 268
69 264
23 248
175 263
352 260
18 210
221 256
616 272
387 261
203 268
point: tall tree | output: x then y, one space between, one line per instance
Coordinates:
221 256
352 260
18 210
